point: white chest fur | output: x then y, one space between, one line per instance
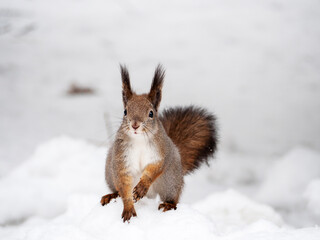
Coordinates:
140 153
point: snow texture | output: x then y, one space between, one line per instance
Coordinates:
55 195
300 166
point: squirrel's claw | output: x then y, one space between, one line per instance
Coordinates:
139 191
107 198
128 213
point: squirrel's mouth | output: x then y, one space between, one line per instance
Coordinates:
136 132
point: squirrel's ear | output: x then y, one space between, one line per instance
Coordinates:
156 87
126 87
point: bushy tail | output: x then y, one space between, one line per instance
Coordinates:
193 130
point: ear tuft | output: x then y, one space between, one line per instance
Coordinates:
126 87
155 93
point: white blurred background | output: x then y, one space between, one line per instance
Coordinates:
256 64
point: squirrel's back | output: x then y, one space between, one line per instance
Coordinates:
193 130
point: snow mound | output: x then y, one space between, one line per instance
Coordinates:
312 197
42 184
289 178
86 219
232 211
56 194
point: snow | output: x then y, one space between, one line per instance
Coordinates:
254 63
289 179
312 198
231 210
58 168
300 166
55 195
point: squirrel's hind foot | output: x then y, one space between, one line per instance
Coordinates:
128 213
167 206
107 198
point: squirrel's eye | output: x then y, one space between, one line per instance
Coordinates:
125 112
151 114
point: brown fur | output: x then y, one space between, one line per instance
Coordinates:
127 92
146 147
167 206
155 94
149 175
107 198
194 132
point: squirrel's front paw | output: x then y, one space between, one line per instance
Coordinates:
128 213
107 198
140 191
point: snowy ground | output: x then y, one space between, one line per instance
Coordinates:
256 64
55 195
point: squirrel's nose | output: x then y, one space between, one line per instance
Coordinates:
135 125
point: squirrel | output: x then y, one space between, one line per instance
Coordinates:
152 152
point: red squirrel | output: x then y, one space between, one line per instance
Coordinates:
152 152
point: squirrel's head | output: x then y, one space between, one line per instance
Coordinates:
141 111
